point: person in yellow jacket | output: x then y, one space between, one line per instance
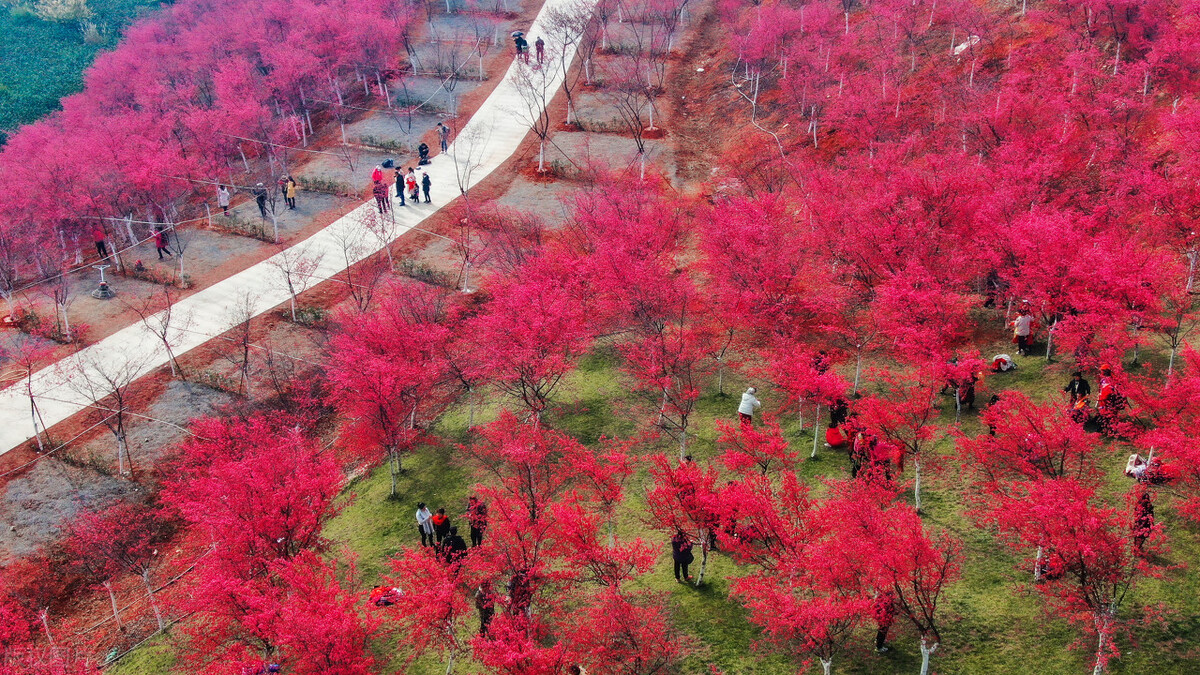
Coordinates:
292 188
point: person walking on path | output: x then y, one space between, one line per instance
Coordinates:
1023 331
454 548
160 242
377 174
681 554
410 182
539 45
260 198
425 524
381 196
883 610
522 47
101 246
283 184
441 525
477 516
223 197
399 177
426 183
291 193
443 135
747 406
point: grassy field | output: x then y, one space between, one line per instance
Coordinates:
993 623
43 61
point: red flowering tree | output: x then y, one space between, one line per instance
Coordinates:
390 370
685 498
122 539
262 492
1092 560
906 415
535 328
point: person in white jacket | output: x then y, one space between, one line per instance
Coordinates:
747 406
425 524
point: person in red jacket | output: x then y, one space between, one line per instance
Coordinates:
441 525
101 248
160 242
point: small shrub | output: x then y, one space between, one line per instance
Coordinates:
217 381
325 186
422 272
310 316
387 144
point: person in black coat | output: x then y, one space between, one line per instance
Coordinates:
681 553
454 548
426 183
1078 388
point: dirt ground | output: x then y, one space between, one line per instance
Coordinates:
35 505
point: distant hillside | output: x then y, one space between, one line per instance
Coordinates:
46 47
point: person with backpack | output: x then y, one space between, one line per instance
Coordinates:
681 554
441 525
520 594
160 242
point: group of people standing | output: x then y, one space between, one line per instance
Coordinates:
436 529
408 185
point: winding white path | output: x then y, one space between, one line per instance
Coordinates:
481 146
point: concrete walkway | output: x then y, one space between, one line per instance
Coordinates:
481 146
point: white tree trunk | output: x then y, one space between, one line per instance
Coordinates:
917 481
1037 563
1099 668
122 453
857 369
827 666
112 598
158 617
926 652
44 615
816 430
703 557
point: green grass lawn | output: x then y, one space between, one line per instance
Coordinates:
993 622
43 61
